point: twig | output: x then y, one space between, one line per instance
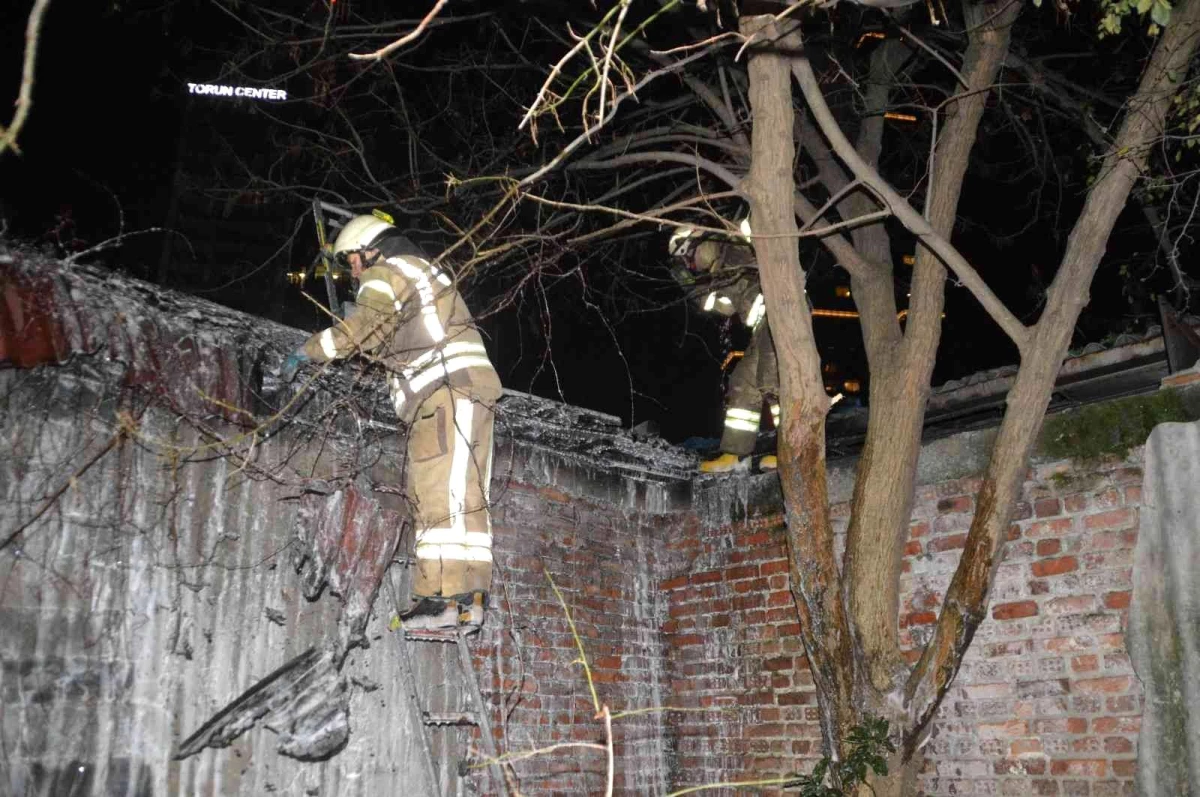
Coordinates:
609 746
510 757
384 52
72 479
608 53
731 784
702 43
586 135
558 67
833 200
587 670
937 56
8 138
662 709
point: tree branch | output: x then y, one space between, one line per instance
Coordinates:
587 134
8 137
412 35
904 212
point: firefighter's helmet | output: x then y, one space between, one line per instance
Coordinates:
358 234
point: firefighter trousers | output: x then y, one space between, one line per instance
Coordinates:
448 476
754 378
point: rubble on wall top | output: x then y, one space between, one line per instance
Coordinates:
209 359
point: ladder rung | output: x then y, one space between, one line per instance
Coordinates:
450 718
428 635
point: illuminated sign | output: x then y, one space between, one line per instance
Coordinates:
236 91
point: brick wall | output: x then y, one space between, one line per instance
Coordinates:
1046 701
606 566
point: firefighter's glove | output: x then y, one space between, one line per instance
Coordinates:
292 364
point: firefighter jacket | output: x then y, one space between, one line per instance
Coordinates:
730 287
411 320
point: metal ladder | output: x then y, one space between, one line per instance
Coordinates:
421 718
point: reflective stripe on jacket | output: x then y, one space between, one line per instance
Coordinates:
411 319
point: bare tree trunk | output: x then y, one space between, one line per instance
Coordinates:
884 489
825 629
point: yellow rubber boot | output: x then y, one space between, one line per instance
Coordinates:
769 462
722 464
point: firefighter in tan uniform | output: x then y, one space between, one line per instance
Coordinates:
412 320
724 276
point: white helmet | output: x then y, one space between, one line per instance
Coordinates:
359 233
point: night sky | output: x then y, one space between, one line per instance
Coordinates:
114 138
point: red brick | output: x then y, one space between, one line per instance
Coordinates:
1013 611
747 571
1108 686
606 662
1048 547
1050 528
777 664
919 618
795 698
1003 730
1047 507
1117 600
956 505
673 583
918 529
1118 744
912 548
947 543
683 640
1124 769
1117 724
1069 644
1086 663
1073 725
771 568
1054 567
1112 519
707 577
744 602
761 538
1079 767
781 598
